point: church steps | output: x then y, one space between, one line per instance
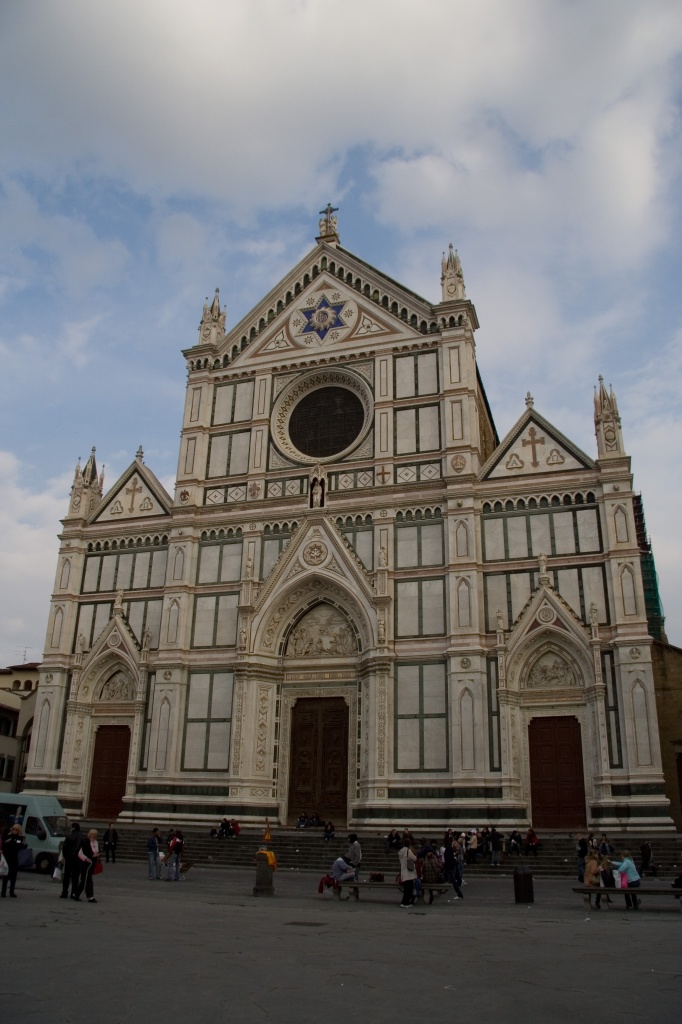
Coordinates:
306 851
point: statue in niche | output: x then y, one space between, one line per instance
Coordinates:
248 572
382 631
383 557
146 639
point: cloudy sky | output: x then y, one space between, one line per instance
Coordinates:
151 150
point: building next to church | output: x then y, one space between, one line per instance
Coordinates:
359 600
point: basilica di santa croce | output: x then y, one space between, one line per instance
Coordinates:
359 600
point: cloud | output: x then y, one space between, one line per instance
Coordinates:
29 523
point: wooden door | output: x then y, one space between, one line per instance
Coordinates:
319 758
109 771
557 787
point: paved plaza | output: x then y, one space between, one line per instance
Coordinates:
206 949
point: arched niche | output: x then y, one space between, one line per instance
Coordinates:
321 631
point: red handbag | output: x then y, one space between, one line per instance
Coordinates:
98 868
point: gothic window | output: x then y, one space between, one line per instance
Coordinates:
421 718
463 603
462 539
359 533
326 421
208 721
179 564
162 736
65 574
220 562
57 627
125 570
233 403
417 430
416 375
528 534
273 544
418 544
195 406
215 621
229 454
173 617
420 607
620 520
627 585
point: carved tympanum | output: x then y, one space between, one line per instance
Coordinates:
323 633
117 687
550 670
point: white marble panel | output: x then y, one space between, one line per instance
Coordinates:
433 606
588 532
593 589
405 431
125 567
407 596
407 690
239 456
231 569
433 679
222 411
244 401
496 592
217 463
226 632
209 556
221 700
494 539
435 744
141 573
406 544
432 544
517 537
91 574
404 377
153 621
218 746
204 621
102 616
564 536
429 434
106 579
195 744
540 537
159 560
407 743
568 588
466 723
520 591
427 373
197 703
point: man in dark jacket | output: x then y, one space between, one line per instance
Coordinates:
110 840
71 871
12 842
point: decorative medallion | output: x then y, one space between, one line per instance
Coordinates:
167 675
324 320
184 497
458 462
465 663
635 653
315 553
114 639
546 614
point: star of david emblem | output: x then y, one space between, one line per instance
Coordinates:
323 318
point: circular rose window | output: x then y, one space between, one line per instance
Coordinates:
322 416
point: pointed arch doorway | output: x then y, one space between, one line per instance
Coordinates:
318 773
109 771
557 785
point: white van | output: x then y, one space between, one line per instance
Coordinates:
43 821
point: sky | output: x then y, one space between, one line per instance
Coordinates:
153 150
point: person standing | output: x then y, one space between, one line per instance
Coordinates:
451 866
177 845
354 854
88 855
71 871
153 844
646 857
626 866
408 872
12 842
110 840
496 843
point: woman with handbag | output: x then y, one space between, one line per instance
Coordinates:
629 878
89 857
408 872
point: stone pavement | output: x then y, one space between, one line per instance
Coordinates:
205 949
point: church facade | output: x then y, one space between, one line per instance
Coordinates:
359 600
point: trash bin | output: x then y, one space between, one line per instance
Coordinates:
523 884
265 865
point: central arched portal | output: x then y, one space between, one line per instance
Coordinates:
318 775
556 772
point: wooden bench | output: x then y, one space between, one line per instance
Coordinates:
355 888
589 890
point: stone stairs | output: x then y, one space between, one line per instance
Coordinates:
305 850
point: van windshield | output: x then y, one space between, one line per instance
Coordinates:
57 825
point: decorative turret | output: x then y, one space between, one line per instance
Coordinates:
212 325
452 278
87 487
607 422
329 224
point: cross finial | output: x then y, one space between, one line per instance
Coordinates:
328 222
530 401
139 454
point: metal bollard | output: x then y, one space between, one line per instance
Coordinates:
523 884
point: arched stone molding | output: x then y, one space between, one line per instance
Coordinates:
536 653
271 628
88 686
290 694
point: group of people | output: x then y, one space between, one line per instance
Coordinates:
602 873
481 843
171 856
227 829
79 861
310 820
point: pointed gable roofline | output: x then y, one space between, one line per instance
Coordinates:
410 307
531 415
151 480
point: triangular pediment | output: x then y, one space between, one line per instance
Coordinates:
546 610
534 447
330 301
318 549
137 494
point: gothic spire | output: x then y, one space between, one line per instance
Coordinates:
607 421
452 277
90 471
